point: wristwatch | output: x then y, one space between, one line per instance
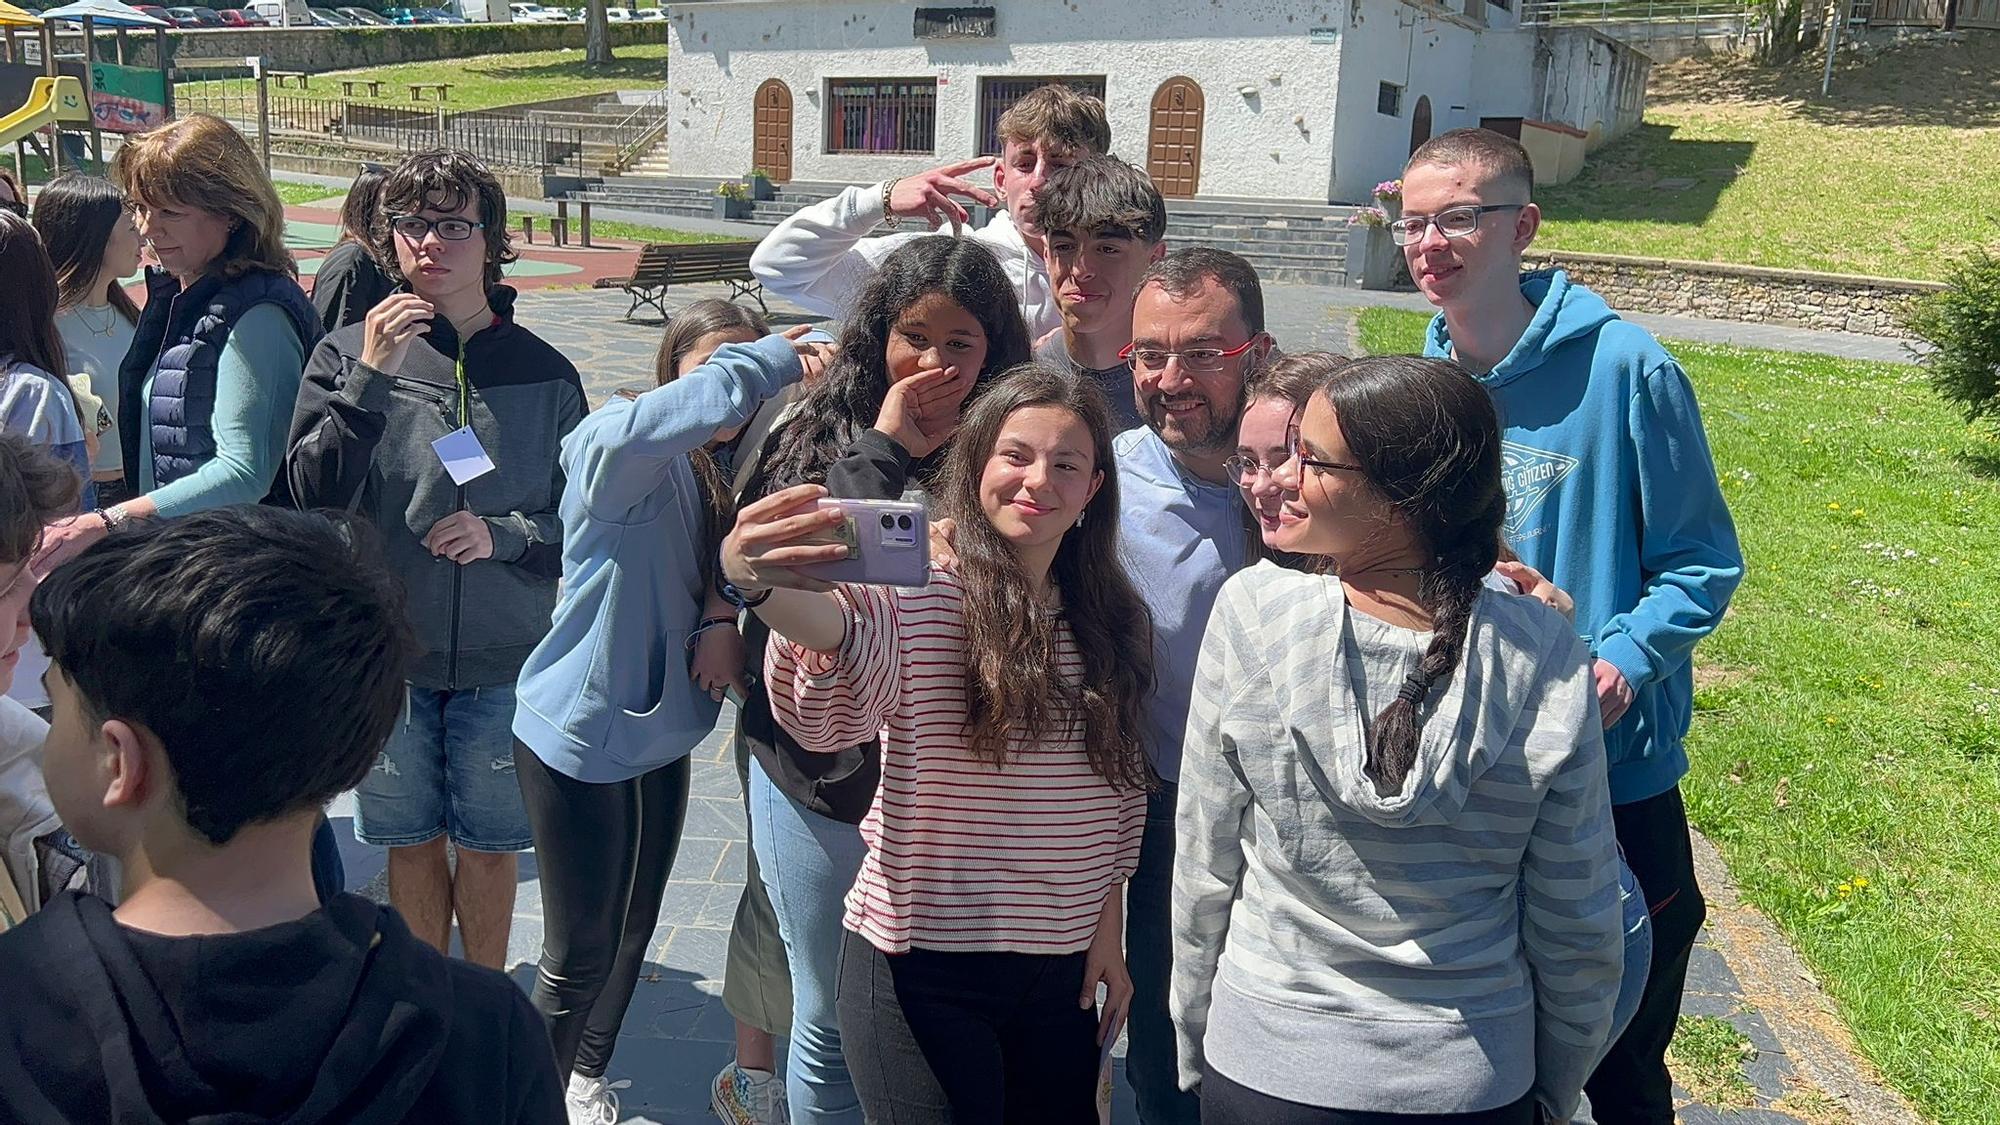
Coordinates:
113 517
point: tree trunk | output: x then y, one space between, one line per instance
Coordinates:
596 35
1786 19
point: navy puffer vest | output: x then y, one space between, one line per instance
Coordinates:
186 332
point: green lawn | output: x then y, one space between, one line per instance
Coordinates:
616 231
1846 745
1889 177
305 193
482 81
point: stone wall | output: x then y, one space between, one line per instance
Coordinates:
1796 298
318 49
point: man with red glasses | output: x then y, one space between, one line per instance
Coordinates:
1611 493
1197 333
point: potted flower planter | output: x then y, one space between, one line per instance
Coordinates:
760 186
1378 256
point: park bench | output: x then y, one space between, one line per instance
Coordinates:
349 85
662 265
285 78
441 89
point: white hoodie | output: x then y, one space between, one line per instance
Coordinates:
821 257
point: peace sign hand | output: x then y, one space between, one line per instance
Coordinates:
929 196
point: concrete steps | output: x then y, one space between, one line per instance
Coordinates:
1296 242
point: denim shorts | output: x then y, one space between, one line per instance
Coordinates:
447 770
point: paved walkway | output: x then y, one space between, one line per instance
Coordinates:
1801 1068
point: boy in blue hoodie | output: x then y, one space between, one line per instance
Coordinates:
1611 493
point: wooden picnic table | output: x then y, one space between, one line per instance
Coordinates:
285 78
349 85
441 89
560 227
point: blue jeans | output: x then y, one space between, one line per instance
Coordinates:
1152 1063
448 769
1638 953
808 862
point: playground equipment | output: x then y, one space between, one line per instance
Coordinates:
51 101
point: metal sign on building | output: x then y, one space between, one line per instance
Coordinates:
955 23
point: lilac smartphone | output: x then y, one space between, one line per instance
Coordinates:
888 544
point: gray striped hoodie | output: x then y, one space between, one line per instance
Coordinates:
1441 950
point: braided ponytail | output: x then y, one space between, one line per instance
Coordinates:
1449 590
1425 433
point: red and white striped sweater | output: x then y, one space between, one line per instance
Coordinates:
961 855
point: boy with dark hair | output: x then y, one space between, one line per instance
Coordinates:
1105 224
216 679
1612 494
821 256
473 532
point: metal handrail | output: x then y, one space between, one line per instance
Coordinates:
1542 13
629 153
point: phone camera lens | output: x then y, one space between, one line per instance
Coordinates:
903 522
888 521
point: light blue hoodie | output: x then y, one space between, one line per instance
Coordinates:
606 696
1612 494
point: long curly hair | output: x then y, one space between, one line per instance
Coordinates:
1427 437
845 401
1013 687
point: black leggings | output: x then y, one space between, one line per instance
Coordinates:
604 853
938 1038
1224 1102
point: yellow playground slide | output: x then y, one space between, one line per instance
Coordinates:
51 100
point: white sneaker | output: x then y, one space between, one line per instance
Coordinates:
742 1096
591 1102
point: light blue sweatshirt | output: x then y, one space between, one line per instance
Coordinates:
1611 493
1181 537
606 696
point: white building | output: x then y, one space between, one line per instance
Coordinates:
1259 99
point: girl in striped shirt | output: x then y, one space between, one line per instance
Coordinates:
1005 695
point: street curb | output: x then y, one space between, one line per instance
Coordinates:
1779 986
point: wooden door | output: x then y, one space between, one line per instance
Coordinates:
1173 146
1420 123
771 149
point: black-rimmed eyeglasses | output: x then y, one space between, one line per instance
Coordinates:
416 228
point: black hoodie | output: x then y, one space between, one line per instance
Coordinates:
341 1016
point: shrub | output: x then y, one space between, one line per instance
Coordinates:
1962 325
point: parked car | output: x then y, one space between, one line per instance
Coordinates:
535 13
157 12
407 15
618 15
439 15
195 17
240 17
647 15
363 17
327 17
